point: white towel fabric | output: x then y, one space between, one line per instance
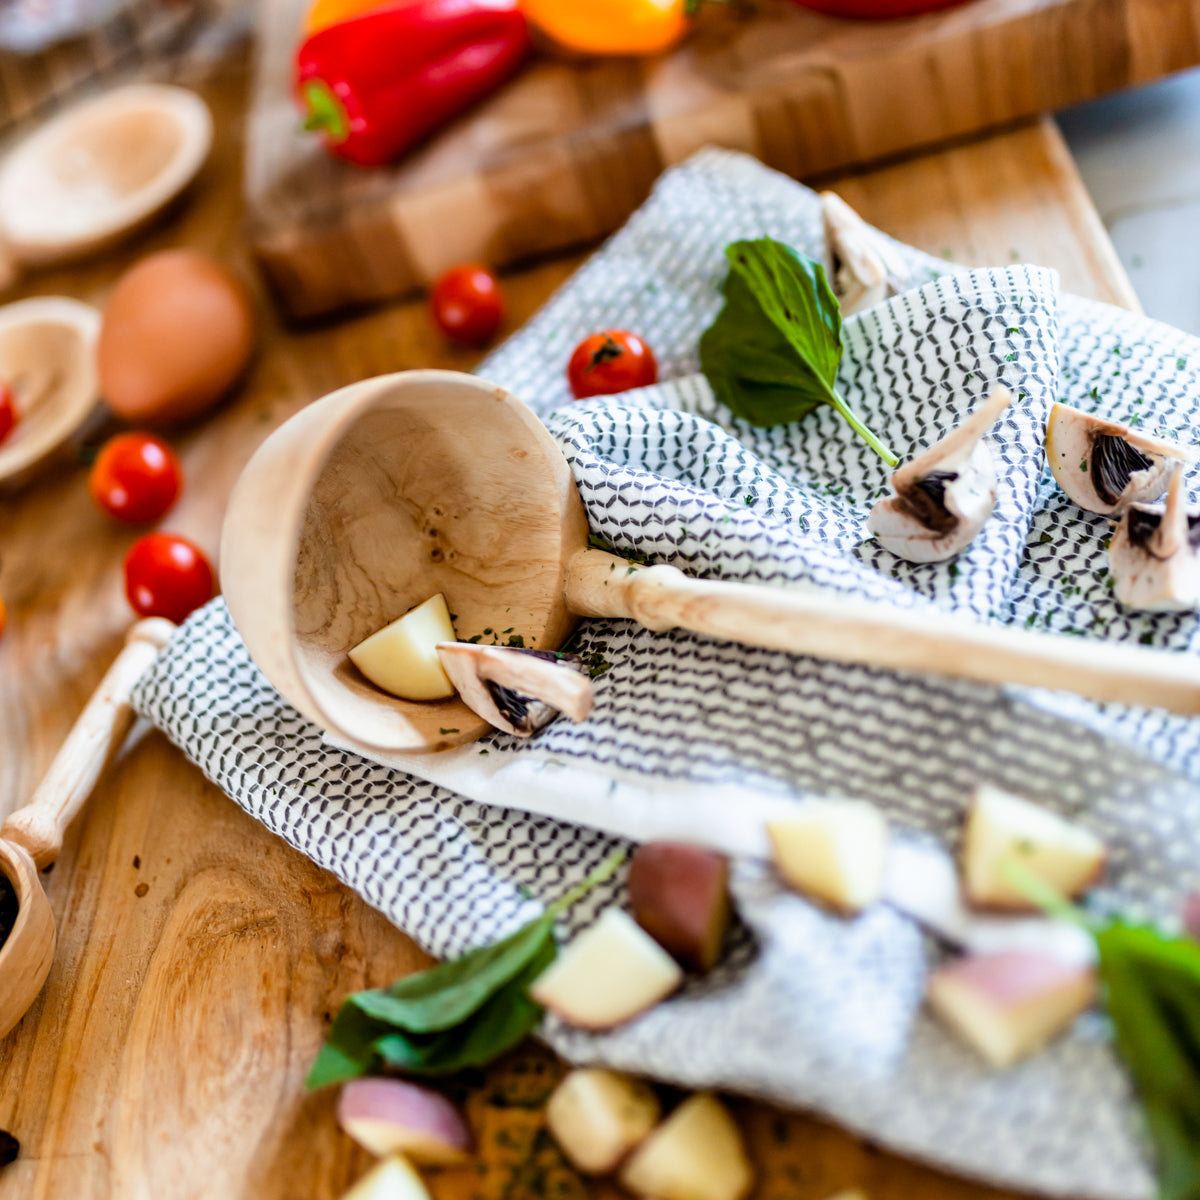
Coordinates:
699 739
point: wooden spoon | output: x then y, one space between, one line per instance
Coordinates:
381 494
30 840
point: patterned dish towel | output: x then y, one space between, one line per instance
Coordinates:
699 739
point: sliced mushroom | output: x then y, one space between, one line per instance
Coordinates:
1154 555
943 496
518 691
863 268
1104 466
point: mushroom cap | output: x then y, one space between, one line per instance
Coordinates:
1071 440
924 523
549 683
857 271
1154 555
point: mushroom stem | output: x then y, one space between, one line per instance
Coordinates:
1172 533
957 445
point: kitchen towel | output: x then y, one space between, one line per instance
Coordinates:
691 735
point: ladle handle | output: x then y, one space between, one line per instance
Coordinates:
95 737
830 625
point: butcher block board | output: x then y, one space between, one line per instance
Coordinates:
200 958
568 150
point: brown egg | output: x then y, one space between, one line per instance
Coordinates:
177 332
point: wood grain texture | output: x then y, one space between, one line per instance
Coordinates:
565 152
199 956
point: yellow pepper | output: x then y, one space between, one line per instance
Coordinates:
610 26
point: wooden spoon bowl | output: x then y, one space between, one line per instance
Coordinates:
28 951
372 500
386 492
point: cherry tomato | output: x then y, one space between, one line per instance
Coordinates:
3 618
167 576
8 412
608 362
135 478
467 304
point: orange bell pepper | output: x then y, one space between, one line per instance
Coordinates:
323 13
611 26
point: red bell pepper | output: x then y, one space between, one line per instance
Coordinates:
378 83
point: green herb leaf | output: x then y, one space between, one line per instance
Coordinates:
460 1013
1152 991
772 354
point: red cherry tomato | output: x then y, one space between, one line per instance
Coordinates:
8 412
135 478
608 362
167 576
467 304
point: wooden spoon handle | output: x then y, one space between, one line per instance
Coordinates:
830 625
39 827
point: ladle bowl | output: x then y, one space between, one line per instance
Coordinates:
31 838
388 491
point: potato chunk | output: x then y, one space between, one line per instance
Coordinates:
402 657
598 1116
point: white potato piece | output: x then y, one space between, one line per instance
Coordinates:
597 1117
833 851
1002 829
402 657
389 1179
389 1116
697 1153
611 972
1008 1004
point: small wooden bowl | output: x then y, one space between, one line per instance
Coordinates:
370 501
48 359
98 171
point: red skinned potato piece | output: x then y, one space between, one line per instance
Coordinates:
597 1117
1008 1004
679 894
389 1116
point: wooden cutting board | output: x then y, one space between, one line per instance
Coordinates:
200 957
566 152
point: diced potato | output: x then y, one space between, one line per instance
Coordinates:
697 1153
1002 829
389 1116
402 657
597 1117
833 851
1008 1004
611 972
389 1179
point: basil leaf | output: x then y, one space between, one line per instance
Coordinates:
772 354
445 995
348 1048
1152 989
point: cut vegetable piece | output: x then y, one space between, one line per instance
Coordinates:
834 851
389 1116
402 657
1003 829
1154 555
945 495
1104 466
597 1117
611 972
680 896
391 1179
517 690
697 1153
1009 1004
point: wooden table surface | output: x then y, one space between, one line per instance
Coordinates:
200 957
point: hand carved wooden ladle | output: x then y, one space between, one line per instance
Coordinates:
31 838
376 497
